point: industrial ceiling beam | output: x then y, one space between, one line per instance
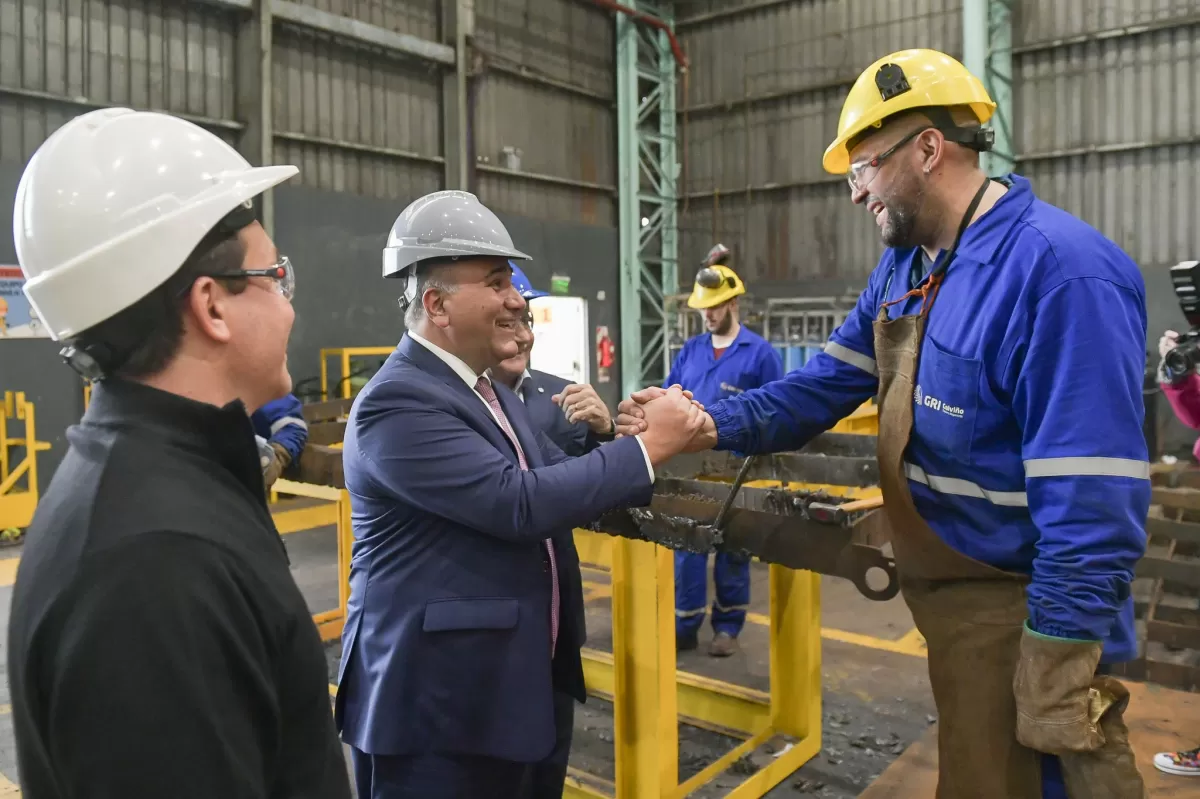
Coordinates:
988 53
347 28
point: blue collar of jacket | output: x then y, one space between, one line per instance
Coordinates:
983 237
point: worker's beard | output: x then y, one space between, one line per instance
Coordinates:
724 325
904 202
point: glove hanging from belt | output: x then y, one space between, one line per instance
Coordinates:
273 459
1060 698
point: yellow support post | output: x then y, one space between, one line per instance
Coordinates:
644 717
344 354
330 622
795 668
17 506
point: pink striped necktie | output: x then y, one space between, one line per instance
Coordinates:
484 387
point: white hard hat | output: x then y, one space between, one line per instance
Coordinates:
112 204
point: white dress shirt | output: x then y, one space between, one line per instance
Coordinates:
470 378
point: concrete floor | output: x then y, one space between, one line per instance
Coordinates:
876 699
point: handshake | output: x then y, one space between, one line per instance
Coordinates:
667 420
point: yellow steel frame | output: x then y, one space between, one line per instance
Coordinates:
329 623
17 506
345 354
650 697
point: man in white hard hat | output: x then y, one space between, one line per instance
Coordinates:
158 645
466 609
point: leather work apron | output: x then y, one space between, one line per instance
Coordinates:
971 614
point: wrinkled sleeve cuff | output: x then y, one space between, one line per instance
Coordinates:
729 437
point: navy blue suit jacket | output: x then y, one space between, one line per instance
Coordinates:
573 439
446 645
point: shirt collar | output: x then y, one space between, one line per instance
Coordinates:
525 376
453 361
981 239
222 434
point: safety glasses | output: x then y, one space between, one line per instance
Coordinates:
281 272
863 173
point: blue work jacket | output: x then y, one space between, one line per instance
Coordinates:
1027 450
282 421
748 362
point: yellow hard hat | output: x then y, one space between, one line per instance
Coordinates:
903 81
714 285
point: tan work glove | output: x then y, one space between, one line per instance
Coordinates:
1060 698
274 459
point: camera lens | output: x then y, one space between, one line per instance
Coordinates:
1177 363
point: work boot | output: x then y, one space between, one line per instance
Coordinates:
723 645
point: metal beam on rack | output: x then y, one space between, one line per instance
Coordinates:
988 53
648 175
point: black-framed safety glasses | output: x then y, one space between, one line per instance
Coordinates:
281 272
861 175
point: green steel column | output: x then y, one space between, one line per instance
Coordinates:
647 182
987 52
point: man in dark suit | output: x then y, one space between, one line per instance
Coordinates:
572 415
577 421
465 611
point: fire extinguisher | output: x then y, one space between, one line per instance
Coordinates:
605 352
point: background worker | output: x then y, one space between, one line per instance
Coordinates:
572 415
282 433
722 362
465 611
1183 392
158 645
1012 461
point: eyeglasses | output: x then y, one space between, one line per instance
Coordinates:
863 173
281 272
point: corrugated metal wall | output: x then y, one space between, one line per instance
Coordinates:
763 98
547 87
355 118
59 58
1106 107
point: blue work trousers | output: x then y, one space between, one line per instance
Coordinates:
732 577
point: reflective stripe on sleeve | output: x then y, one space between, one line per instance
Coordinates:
965 488
1088 467
279 424
847 355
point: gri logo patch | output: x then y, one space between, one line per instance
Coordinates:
732 389
933 403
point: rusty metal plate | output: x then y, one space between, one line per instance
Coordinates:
831 459
773 525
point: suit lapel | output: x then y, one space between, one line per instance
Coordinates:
427 362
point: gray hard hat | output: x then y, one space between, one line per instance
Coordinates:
446 224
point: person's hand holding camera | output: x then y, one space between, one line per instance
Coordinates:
1167 343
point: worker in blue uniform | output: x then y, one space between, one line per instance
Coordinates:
572 415
723 362
1006 341
281 432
